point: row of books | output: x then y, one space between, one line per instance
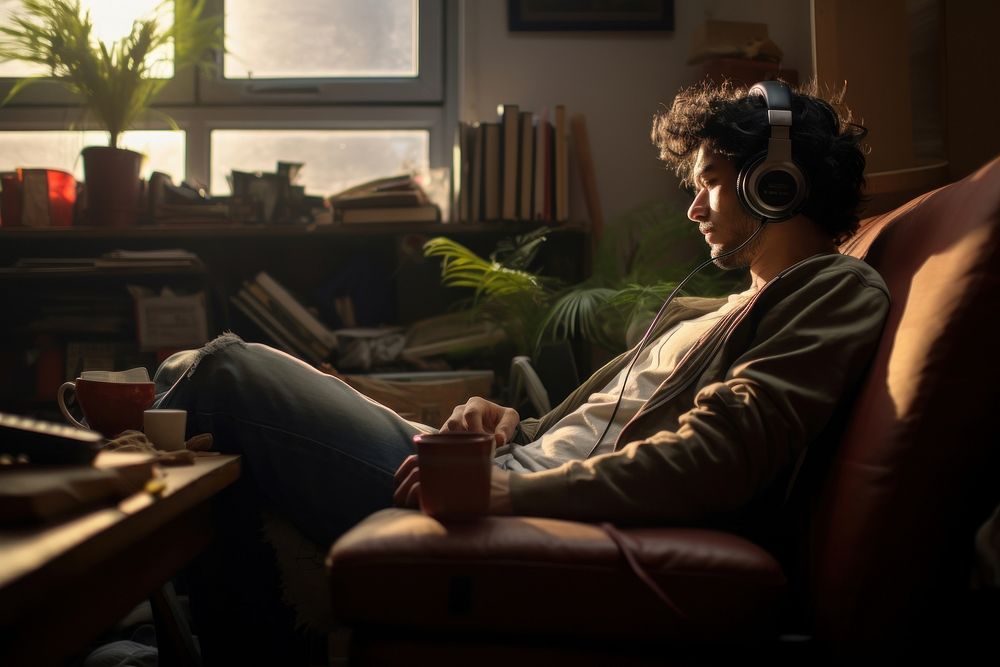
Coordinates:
284 319
294 329
514 169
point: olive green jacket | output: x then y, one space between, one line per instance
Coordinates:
735 415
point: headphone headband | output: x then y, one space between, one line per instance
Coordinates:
771 185
776 95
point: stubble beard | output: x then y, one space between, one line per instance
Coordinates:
743 258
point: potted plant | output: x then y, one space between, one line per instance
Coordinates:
640 259
114 81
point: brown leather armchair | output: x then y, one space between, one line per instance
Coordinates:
883 556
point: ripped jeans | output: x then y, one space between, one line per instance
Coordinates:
313 450
318 451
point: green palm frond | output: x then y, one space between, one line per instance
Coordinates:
579 310
520 252
640 260
513 298
460 267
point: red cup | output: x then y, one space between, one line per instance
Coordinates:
37 198
455 470
62 198
109 407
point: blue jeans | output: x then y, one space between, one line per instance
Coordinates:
317 450
312 448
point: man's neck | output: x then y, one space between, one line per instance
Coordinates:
785 244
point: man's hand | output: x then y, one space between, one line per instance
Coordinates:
478 414
407 481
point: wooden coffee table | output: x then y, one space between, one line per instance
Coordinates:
62 585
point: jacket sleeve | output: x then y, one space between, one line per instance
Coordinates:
741 432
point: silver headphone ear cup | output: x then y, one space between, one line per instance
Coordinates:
771 185
746 195
751 182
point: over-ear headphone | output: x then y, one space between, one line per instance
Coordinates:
770 184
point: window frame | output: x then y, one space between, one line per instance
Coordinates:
426 87
429 102
179 90
199 126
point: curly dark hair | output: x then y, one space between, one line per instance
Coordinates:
825 144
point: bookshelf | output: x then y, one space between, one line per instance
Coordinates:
380 265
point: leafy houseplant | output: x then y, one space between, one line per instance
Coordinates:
115 82
642 257
504 291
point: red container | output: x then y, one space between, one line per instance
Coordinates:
455 469
62 198
109 407
37 198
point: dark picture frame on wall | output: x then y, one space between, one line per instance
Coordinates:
594 15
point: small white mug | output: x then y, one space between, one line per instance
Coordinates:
165 428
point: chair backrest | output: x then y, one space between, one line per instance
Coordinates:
918 459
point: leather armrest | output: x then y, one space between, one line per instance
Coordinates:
530 575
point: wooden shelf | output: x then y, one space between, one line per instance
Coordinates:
20 272
275 231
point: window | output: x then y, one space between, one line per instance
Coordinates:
60 149
355 89
110 22
334 159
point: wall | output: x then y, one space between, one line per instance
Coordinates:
618 80
973 136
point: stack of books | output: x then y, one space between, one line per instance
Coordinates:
391 199
284 319
516 168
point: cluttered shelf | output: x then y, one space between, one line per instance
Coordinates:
237 230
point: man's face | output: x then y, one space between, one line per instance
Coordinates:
717 210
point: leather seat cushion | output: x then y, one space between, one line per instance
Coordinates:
530 575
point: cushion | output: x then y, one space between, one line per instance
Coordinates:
548 577
916 469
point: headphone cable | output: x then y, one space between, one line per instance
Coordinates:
656 319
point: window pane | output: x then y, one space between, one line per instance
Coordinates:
164 150
112 20
320 38
334 159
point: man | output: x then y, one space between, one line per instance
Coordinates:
760 376
704 420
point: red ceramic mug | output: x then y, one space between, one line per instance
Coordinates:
455 470
109 407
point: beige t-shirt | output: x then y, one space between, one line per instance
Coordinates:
573 436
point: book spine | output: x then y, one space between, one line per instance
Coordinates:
304 346
509 162
429 213
585 160
296 310
285 320
562 166
478 150
245 303
459 154
491 173
541 143
527 134
550 169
